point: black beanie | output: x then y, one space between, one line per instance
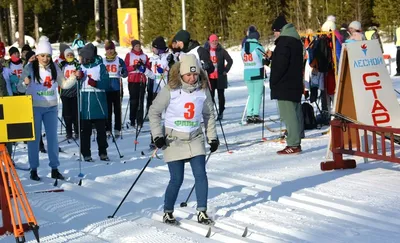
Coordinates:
183 36
88 52
159 43
29 54
26 47
135 42
254 35
278 24
251 28
13 50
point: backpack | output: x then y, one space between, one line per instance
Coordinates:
308 116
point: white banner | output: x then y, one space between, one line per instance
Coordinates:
374 98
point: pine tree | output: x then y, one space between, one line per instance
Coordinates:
37 8
297 13
156 21
386 14
205 24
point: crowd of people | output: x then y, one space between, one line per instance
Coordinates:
180 79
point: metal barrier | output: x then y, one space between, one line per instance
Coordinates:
346 140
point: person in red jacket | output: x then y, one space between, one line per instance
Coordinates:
136 63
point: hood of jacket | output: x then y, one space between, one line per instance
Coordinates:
192 44
96 62
175 80
290 30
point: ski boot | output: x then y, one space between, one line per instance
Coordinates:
169 218
202 218
55 174
104 157
34 176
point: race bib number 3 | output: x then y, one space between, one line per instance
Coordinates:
190 110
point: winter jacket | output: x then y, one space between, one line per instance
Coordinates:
11 80
3 85
93 99
345 34
67 68
15 67
182 145
131 59
374 35
116 70
222 56
253 59
159 80
202 55
78 43
397 37
356 36
286 79
338 47
44 94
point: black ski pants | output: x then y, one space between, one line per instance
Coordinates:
100 125
114 103
136 101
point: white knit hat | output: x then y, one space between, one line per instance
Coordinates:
43 38
331 18
44 47
355 25
328 26
67 51
189 64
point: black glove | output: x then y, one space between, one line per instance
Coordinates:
170 60
214 145
306 94
139 64
160 142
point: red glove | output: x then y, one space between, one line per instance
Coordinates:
92 83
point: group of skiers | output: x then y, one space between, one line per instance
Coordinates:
180 78
90 87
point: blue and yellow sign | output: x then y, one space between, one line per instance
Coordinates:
16 119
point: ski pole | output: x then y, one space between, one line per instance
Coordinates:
244 111
134 183
139 112
220 123
62 123
61 128
79 103
121 96
145 116
126 113
116 146
262 128
184 204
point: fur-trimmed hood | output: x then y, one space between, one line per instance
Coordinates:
175 80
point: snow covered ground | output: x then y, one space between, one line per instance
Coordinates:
279 198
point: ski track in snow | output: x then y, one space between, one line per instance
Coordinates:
279 198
